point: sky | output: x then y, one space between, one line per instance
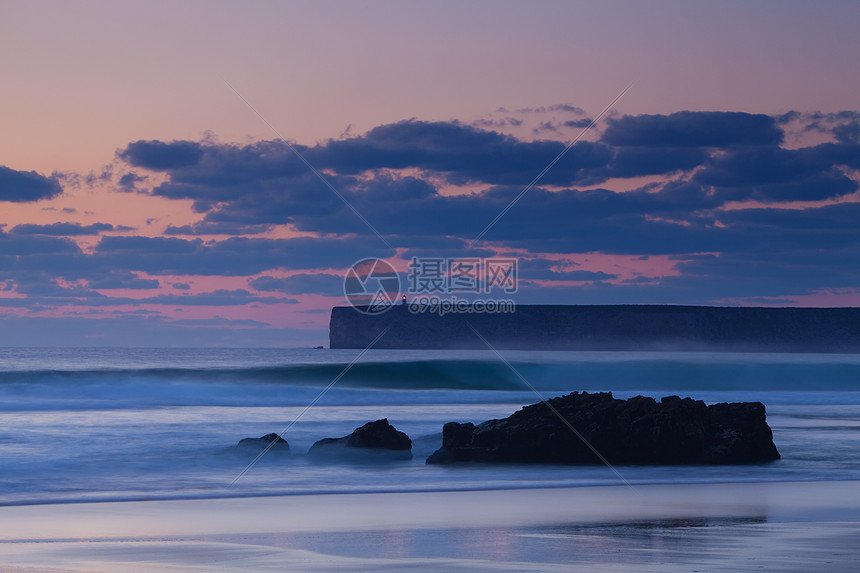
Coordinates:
205 173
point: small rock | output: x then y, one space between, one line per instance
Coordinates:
276 441
374 440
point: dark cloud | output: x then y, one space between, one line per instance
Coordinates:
161 156
172 256
121 280
641 280
573 276
788 117
65 229
580 123
455 249
719 279
500 122
219 321
693 128
218 297
247 190
567 108
92 178
676 217
17 245
562 107
848 132
132 246
399 176
463 153
546 126
567 215
303 283
182 230
55 272
226 167
535 269
804 224
43 291
25 186
128 182
843 125
776 174
758 166
37 285
639 161
213 227
385 188
816 187
232 257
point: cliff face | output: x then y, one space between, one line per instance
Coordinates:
622 327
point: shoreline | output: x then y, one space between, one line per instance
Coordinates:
527 506
611 528
59 502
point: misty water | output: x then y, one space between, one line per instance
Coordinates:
107 424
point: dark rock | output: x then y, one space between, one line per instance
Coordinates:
374 439
276 441
635 431
456 444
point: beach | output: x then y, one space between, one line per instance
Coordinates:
785 526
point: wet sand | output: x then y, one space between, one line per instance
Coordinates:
793 526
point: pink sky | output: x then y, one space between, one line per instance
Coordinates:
83 80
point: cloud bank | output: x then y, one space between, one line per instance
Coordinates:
25 186
734 213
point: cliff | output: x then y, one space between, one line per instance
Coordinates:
621 327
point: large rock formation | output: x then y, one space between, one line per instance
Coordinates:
609 327
373 440
635 431
271 441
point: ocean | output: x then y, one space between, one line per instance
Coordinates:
84 424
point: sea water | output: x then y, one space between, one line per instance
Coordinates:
126 424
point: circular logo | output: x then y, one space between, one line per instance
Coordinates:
371 286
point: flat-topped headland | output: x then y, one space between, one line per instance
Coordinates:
605 327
